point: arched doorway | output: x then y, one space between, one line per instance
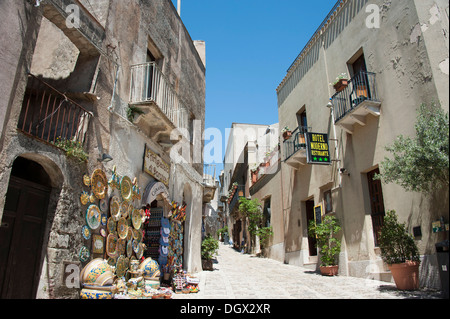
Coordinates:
187 200
22 229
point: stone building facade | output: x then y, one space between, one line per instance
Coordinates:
395 56
124 80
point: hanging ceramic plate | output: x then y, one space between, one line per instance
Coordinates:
130 210
126 188
111 246
103 232
84 254
84 198
122 228
140 252
86 232
112 261
114 208
121 266
87 180
103 205
93 217
124 209
129 248
98 244
121 246
135 246
104 219
136 219
111 225
99 184
130 234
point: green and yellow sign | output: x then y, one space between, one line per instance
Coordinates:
318 149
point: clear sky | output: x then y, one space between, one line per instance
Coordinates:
250 44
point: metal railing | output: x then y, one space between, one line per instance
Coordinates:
296 142
149 84
48 114
240 192
360 88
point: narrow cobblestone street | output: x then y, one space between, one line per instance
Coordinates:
242 276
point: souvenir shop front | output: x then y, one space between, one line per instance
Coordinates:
133 241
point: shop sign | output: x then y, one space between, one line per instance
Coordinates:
152 190
317 149
156 167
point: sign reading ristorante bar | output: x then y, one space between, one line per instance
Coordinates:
318 149
156 167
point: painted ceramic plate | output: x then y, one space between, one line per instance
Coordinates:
121 246
84 198
126 188
122 228
129 248
87 180
103 232
93 217
135 246
103 205
111 246
121 266
86 232
98 244
136 219
111 225
114 208
124 209
140 251
84 254
104 219
99 184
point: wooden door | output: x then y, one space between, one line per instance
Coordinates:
310 216
376 203
21 238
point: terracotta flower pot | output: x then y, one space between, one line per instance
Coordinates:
287 135
341 85
329 270
406 275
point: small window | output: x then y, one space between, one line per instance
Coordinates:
266 213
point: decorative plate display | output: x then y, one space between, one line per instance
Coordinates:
111 246
114 208
87 180
121 266
84 254
103 205
126 188
111 225
98 244
86 232
93 217
122 228
136 219
99 184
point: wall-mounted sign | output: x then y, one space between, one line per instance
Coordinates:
156 167
317 149
152 191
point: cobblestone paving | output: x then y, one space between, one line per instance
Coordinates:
242 276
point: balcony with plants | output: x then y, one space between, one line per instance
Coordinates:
355 99
295 146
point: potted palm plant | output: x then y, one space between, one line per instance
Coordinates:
400 252
328 244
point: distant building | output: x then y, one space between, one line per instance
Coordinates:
392 68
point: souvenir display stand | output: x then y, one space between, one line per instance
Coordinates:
128 248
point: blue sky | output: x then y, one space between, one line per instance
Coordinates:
249 47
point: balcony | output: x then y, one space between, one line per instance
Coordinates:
269 166
295 148
48 114
238 193
163 110
209 182
356 101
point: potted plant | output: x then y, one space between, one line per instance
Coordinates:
400 252
341 82
210 246
287 133
328 244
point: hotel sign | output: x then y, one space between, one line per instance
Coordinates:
317 149
156 167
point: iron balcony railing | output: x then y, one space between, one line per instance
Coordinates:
296 142
49 115
149 84
360 88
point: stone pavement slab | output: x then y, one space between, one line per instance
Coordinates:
243 276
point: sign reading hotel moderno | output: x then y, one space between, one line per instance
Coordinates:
156 167
318 149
